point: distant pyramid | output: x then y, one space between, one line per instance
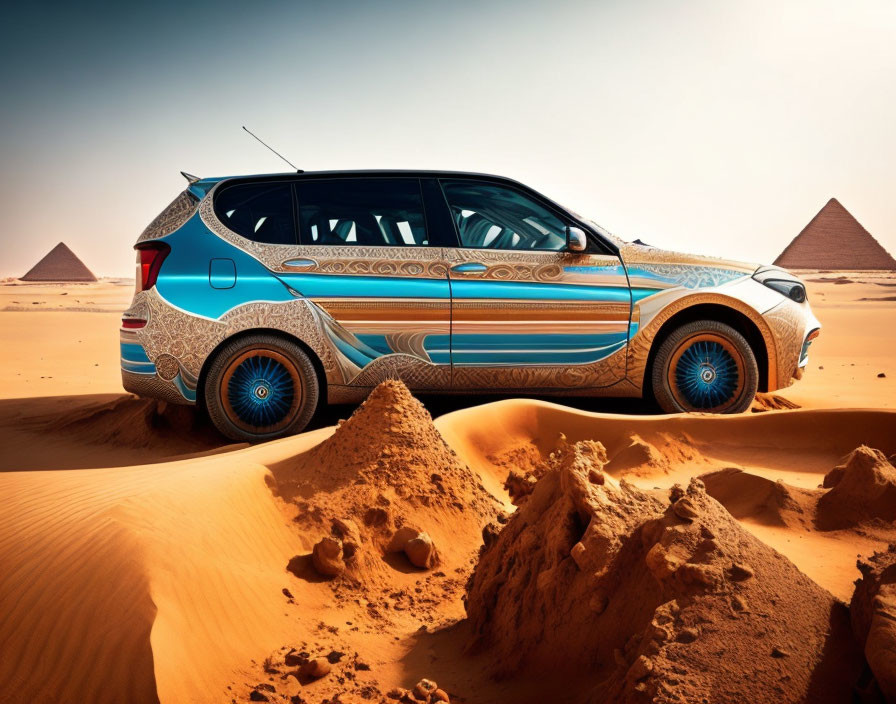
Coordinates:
835 240
61 264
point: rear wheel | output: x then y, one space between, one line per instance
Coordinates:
705 366
261 387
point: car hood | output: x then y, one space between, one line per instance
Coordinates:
634 254
645 263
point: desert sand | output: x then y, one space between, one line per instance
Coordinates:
517 550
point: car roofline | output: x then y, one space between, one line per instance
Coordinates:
408 173
414 173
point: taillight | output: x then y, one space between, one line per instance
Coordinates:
149 260
133 323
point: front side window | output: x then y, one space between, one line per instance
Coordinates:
261 212
361 211
498 217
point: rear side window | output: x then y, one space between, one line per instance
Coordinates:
261 212
363 211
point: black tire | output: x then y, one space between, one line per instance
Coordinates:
261 387
707 367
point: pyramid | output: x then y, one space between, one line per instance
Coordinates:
60 264
834 239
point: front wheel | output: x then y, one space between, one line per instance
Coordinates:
261 387
705 366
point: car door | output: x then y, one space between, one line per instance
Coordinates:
527 313
367 262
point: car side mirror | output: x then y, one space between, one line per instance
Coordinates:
576 240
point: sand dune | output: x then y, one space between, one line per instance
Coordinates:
194 550
188 558
144 560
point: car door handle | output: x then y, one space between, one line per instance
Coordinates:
301 263
469 268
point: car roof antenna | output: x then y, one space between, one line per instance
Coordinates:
298 170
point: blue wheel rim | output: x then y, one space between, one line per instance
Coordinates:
706 374
261 390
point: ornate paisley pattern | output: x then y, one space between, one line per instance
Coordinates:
689 276
787 322
176 214
349 333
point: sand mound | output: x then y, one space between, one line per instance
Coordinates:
387 468
658 602
750 496
639 455
863 488
873 612
771 402
396 520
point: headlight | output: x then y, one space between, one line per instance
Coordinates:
781 281
794 290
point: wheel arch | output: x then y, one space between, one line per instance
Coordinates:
249 332
737 318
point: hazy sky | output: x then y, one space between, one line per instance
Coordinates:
703 125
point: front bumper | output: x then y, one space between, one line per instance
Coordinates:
794 327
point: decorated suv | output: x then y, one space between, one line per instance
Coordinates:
261 296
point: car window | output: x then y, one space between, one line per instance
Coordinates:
361 211
262 212
498 217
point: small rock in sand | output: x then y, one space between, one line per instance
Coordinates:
676 492
401 538
740 571
421 551
292 685
779 652
316 668
881 376
684 508
688 635
348 532
640 668
416 544
702 575
327 557
661 562
424 689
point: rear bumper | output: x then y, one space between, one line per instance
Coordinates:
160 376
151 386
